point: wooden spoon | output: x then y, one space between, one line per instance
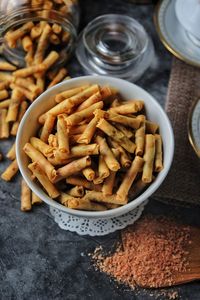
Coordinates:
193 270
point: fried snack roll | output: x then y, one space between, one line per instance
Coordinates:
11 153
117 135
60 1
12 36
106 92
89 173
90 101
100 197
10 172
63 107
107 154
77 191
35 200
85 94
77 117
66 105
75 152
48 5
65 36
4 126
127 121
44 180
63 135
57 161
47 128
4 76
22 110
84 204
140 140
116 102
126 131
74 139
158 155
25 196
53 140
79 181
6 66
3 94
29 58
130 107
25 72
38 157
151 127
16 98
44 148
26 93
51 58
27 85
35 32
69 93
36 2
83 150
5 103
59 76
98 180
67 78
63 199
4 84
103 169
72 168
110 130
149 156
42 44
124 157
56 28
108 184
88 134
27 43
130 177
140 117
54 39
40 82
89 131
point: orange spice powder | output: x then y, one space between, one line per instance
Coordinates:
152 250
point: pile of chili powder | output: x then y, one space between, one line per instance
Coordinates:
152 250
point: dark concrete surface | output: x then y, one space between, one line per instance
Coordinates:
38 260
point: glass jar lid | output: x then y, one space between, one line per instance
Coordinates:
115 45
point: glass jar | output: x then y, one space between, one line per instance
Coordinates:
115 45
25 24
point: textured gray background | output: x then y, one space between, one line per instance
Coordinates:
38 260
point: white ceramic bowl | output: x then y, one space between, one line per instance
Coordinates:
29 126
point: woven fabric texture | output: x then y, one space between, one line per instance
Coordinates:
182 183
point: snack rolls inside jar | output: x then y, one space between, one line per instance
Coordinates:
31 29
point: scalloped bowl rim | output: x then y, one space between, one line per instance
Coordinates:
124 87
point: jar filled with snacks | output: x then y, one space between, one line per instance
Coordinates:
31 29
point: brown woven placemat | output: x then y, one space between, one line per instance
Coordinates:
182 183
